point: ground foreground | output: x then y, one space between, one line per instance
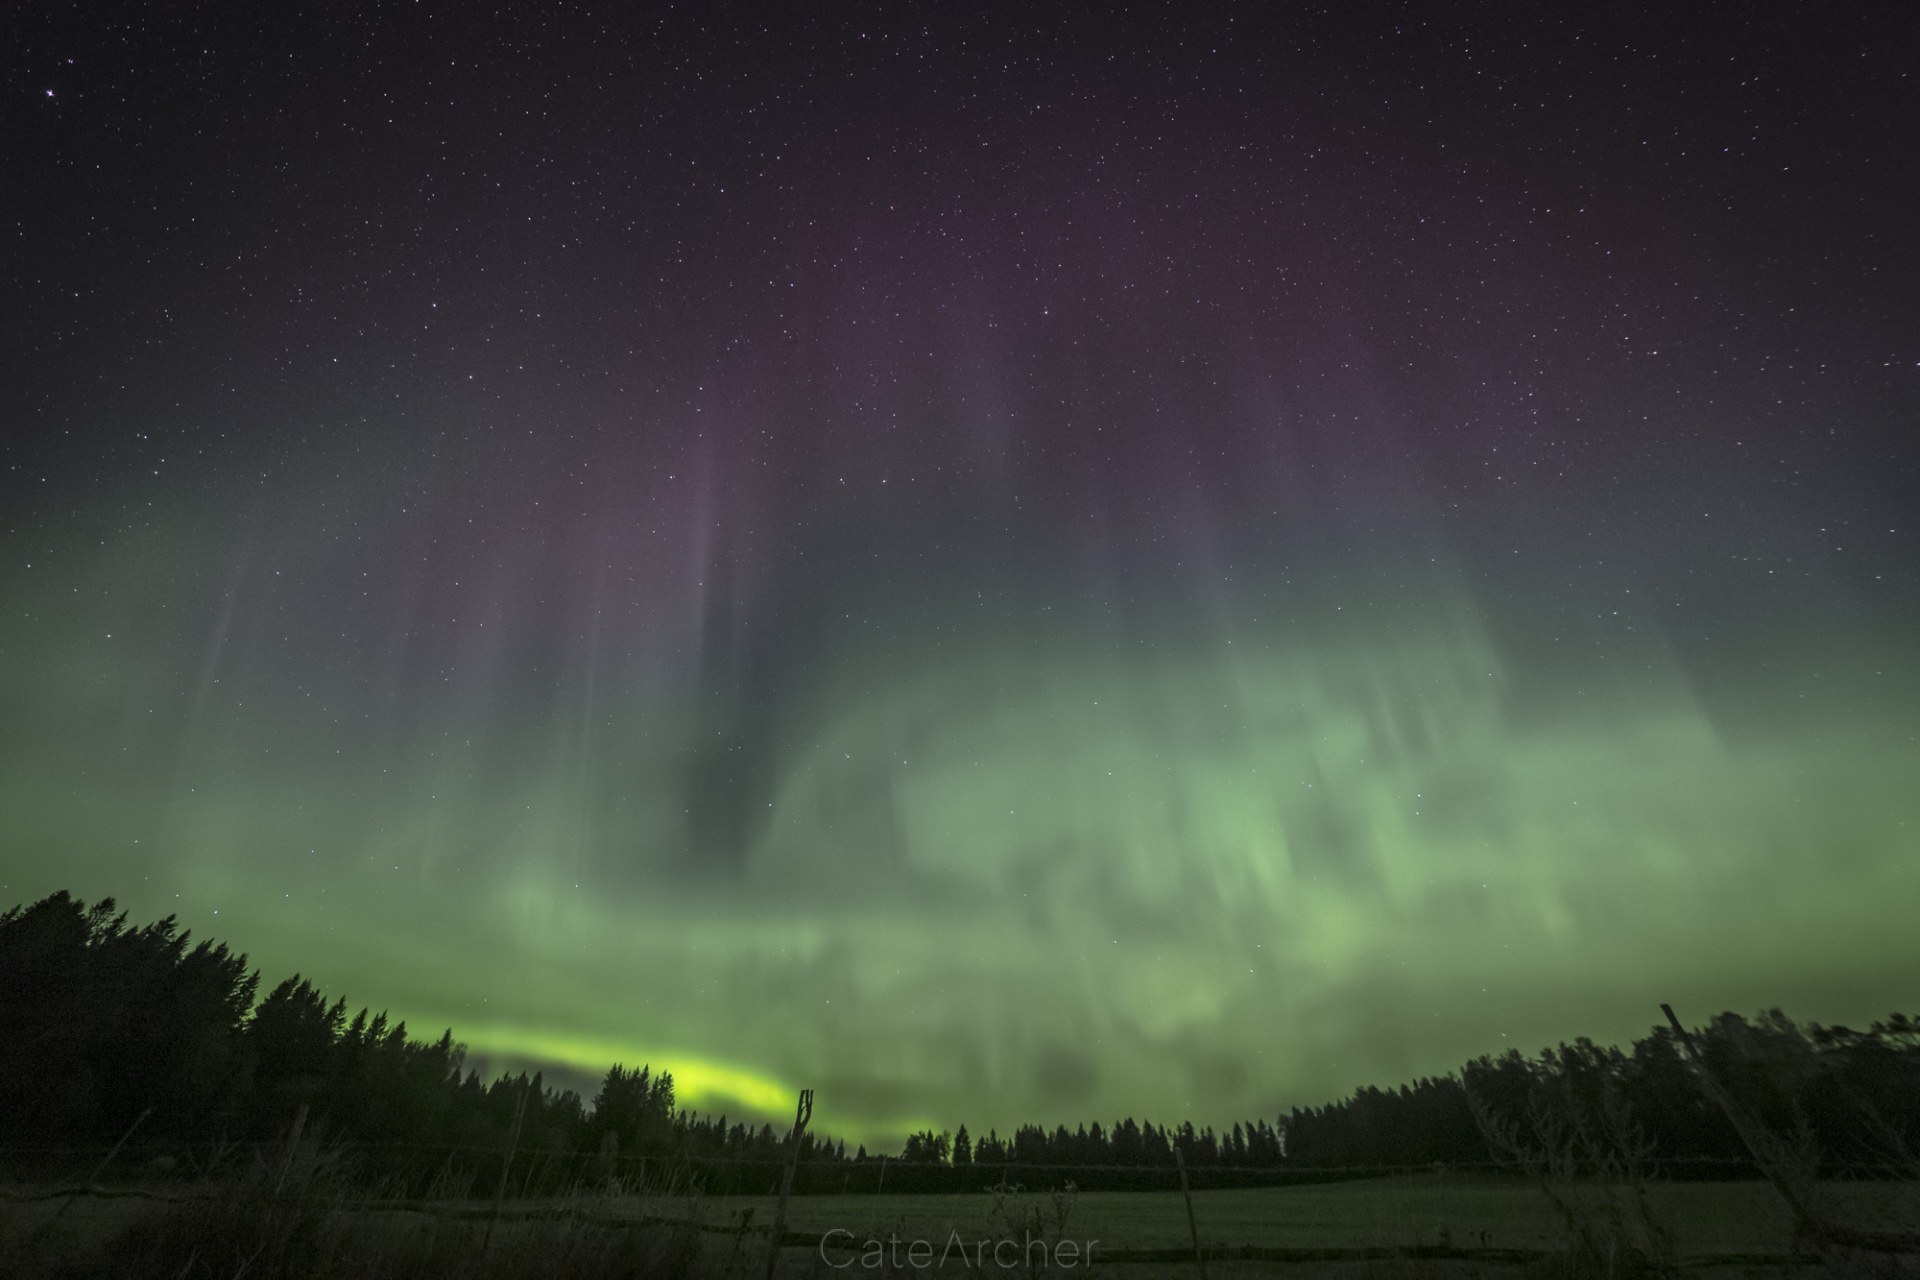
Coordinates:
1429 1226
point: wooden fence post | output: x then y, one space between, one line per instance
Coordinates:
801 1115
1193 1226
506 1165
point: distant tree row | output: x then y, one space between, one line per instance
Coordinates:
1854 1095
1128 1144
110 1027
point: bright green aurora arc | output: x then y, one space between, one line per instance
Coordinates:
1128 607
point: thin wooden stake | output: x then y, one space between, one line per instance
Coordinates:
506 1165
802 1114
1768 1152
1193 1227
102 1166
293 1147
1745 1125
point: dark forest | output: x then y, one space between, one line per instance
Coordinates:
119 1029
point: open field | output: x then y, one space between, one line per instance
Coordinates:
1438 1226
1403 1212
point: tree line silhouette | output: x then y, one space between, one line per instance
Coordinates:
110 1028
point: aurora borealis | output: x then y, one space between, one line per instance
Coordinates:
998 563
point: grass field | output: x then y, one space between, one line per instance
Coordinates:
1406 1212
1494 1227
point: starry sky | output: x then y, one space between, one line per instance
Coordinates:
1000 562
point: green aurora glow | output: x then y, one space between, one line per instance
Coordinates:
1050 873
1005 564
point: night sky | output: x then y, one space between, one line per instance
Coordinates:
1004 563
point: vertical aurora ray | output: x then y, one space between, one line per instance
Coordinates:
1036 859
